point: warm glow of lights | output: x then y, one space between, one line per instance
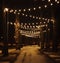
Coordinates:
19 10
58 2
22 14
46 19
34 8
11 10
26 15
24 10
44 22
11 23
46 25
45 6
43 18
39 7
32 23
48 0
36 17
6 10
29 9
18 13
36 23
51 4
30 15
14 12
39 18
7 22
33 16
55 0
29 23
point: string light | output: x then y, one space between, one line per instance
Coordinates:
39 7
23 14
24 9
14 12
55 0
58 2
48 0
34 8
29 9
45 6
11 10
18 13
33 16
26 15
51 4
19 10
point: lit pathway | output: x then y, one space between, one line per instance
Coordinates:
30 54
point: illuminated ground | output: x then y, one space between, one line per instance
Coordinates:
31 54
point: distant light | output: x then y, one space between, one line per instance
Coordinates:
39 18
7 22
39 7
34 8
19 10
33 16
6 10
51 4
26 15
58 2
44 22
11 10
46 19
32 23
45 6
29 9
55 0
43 18
14 12
22 14
30 15
46 25
36 17
48 0
24 10
11 23
18 13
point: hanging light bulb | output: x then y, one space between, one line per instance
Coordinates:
39 7
19 10
55 0
14 12
48 0
33 16
18 13
36 17
51 4
58 2
29 9
39 17
34 8
45 6
24 9
30 15
23 14
11 10
26 15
